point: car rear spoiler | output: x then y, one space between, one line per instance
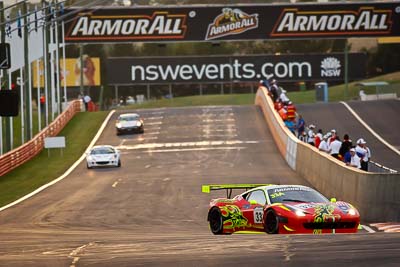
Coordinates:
228 187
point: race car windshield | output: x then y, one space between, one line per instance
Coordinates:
130 118
102 151
292 194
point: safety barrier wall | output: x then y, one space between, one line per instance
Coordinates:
375 195
27 151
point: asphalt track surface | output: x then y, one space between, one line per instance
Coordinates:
151 212
382 116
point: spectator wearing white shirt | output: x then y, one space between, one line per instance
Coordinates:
354 160
283 98
334 147
364 153
311 135
323 145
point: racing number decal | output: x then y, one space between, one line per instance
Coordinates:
258 215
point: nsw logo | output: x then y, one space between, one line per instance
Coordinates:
230 22
330 67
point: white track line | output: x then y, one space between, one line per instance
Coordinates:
368 229
43 187
370 129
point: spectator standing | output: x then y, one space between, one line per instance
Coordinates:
291 110
283 97
353 160
363 152
283 113
264 83
311 135
86 100
333 136
334 147
318 138
291 125
303 137
274 90
300 126
323 146
346 145
42 101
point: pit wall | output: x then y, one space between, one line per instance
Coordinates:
375 195
29 150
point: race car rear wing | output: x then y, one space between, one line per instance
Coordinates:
229 187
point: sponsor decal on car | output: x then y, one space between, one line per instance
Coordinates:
159 25
233 217
367 20
231 22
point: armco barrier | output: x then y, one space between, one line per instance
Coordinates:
27 151
375 195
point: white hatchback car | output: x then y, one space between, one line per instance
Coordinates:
103 155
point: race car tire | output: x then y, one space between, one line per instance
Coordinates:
87 166
215 220
271 224
119 163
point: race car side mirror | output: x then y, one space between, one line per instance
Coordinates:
253 202
333 200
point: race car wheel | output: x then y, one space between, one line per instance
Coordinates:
119 163
215 219
87 166
271 222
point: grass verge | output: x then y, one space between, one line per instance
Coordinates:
43 169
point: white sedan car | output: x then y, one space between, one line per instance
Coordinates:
103 155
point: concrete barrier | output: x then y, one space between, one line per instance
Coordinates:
375 195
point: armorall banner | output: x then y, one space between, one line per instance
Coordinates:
194 69
234 22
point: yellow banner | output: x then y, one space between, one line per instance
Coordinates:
91 72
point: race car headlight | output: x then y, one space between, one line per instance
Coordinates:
118 125
352 212
300 213
138 123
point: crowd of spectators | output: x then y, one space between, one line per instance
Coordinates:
353 155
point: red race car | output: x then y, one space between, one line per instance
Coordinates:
283 209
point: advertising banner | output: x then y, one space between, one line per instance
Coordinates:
234 22
91 73
291 67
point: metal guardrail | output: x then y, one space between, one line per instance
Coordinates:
27 151
379 168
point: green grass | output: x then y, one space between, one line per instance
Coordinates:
43 169
213 100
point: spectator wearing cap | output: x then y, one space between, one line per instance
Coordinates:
353 160
363 152
311 135
300 126
318 137
333 136
346 145
334 147
323 145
